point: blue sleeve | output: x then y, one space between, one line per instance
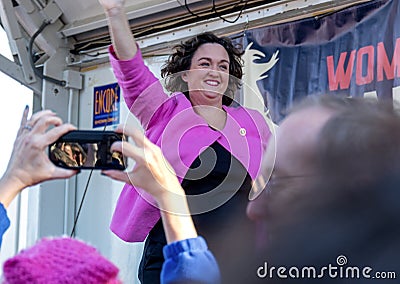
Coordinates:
4 222
189 261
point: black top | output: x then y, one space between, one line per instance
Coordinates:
216 172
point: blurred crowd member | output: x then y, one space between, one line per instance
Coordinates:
60 260
346 225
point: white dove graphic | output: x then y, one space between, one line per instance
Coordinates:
253 72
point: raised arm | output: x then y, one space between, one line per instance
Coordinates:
122 39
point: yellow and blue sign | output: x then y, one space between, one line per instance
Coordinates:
106 105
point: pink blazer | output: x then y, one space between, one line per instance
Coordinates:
171 123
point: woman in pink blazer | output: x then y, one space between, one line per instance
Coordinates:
214 148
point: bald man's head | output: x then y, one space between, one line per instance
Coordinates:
293 157
296 142
294 162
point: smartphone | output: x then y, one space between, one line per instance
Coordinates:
87 149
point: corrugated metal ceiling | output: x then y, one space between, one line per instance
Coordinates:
86 23
77 13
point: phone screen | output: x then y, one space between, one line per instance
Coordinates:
85 149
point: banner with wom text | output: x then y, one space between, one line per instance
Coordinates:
351 52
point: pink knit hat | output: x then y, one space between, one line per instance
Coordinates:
60 260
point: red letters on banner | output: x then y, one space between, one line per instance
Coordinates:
340 77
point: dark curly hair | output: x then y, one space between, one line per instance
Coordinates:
181 60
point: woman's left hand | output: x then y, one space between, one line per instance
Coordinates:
29 163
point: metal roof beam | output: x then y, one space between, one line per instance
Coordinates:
15 71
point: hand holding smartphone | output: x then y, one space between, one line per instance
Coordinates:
87 149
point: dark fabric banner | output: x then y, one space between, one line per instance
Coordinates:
350 52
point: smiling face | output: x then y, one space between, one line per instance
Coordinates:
208 76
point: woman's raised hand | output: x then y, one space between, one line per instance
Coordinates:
124 45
